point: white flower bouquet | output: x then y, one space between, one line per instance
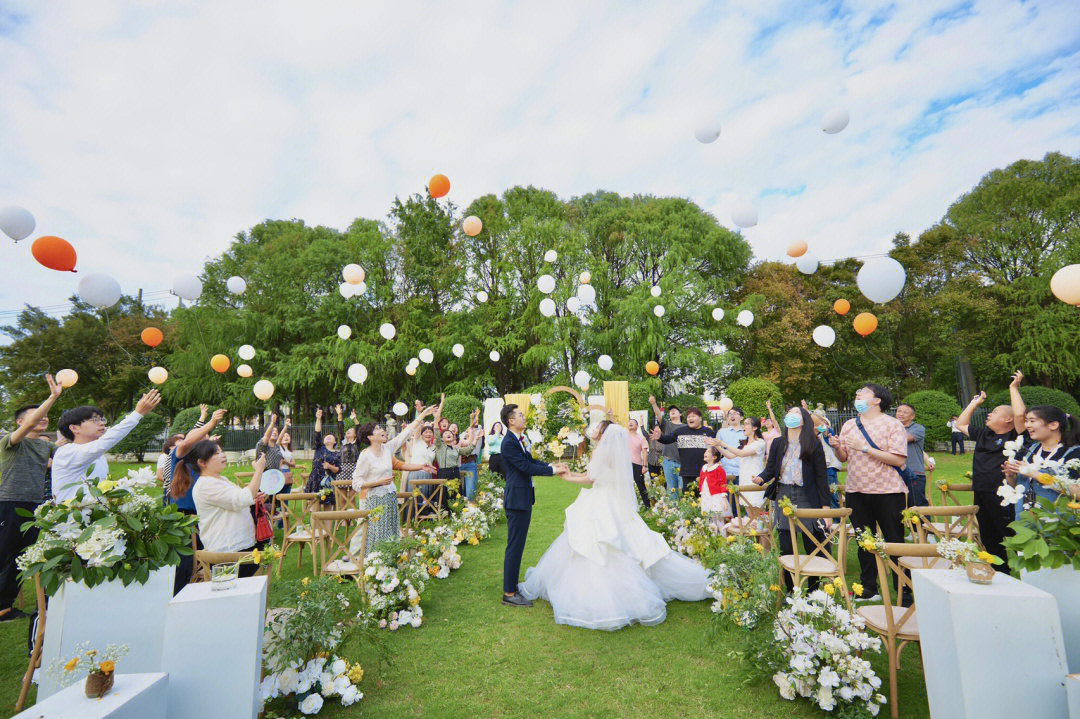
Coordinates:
309 684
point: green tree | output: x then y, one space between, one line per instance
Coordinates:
932 410
1034 395
146 436
750 394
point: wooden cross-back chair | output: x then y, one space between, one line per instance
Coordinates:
39 642
898 625
822 561
746 514
335 531
419 507
957 522
344 494
294 510
950 496
204 560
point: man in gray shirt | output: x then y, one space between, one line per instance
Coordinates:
669 456
916 438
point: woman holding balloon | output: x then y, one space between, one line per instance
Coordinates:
326 463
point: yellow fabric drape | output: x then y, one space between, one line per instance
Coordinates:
617 399
523 401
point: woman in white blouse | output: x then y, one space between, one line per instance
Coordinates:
418 450
224 509
373 477
751 457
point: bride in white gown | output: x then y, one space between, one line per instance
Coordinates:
608 569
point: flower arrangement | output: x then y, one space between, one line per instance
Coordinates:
87 661
682 523
394 576
307 685
962 553
116 529
744 582
1047 535
817 654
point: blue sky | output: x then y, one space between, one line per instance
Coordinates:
148 136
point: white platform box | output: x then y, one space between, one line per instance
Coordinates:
1064 584
133 696
109 613
213 650
989 651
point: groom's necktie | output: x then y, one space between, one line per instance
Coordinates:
525 443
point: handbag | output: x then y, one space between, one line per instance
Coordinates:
263 531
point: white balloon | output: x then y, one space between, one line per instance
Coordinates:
158 375
745 318
547 307
744 215
655 291
658 310
357 372
352 273
400 409
101 291
835 120
410 369
581 379
573 303
482 296
824 335
188 287
807 264
551 256
387 330
263 389
16 222
458 350
585 277
586 293
546 284
346 289
243 370
359 288
494 355
726 403
236 285
717 314
605 363
246 352
344 332
881 279
707 130
427 356
414 362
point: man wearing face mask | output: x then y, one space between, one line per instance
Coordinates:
875 447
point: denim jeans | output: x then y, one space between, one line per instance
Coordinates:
834 500
918 491
472 477
671 475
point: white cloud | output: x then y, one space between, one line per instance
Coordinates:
149 135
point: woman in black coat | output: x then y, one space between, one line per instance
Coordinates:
796 470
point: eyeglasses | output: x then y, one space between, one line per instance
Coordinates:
98 420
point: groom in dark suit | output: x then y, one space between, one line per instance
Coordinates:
518 501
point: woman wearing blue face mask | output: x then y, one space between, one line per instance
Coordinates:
833 465
797 464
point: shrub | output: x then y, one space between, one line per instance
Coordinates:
185 420
932 410
458 407
749 395
1036 395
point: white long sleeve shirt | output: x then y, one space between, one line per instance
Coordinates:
71 462
224 509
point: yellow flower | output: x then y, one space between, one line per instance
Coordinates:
256 556
414 601
70 666
856 589
1045 479
745 595
473 540
305 581
107 667
760 548
829 589
106 484
944 487
686 522
985 556
303 593
1073 505
867 544
788 512
774 587
731 539
356 674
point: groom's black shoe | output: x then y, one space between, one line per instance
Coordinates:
516 600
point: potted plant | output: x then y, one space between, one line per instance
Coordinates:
99 668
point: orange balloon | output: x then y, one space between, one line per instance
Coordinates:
152 336
797 248
220 363
54 253
438 185
841 306
652 368
865 323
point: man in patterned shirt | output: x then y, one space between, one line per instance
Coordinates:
874 445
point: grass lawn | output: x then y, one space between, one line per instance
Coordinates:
475 657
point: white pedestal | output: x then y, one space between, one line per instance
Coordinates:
1072 688
1064 584
213 650
109 613
989 651
133 696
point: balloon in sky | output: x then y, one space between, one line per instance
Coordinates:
263 389
346 290
745 318
744 215
835 120
881 279
586 293
400 409
707 130
605 363
824 335
427 356
387 330
717 314
246 352
458 350
546 284
581 379
344 332
220 363
352 273
439 185
658 310
547 307
841 306
573 303
864 323
67 377
807 264
481 296
585 277
1065 284
158 375
16 223
54 253
236 285
472 225
243 370
797 248
357 372
101 291
551 256
152 336
652 367
725 403
189 287
494 355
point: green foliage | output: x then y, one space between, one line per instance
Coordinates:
751 393
1034 396
685 402
145 437
746 578
458 407
185 420
1047 536
640 391
932 410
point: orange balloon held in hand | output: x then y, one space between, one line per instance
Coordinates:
152 336
652 368
438 185
865 323
54 253
841 306
220 363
